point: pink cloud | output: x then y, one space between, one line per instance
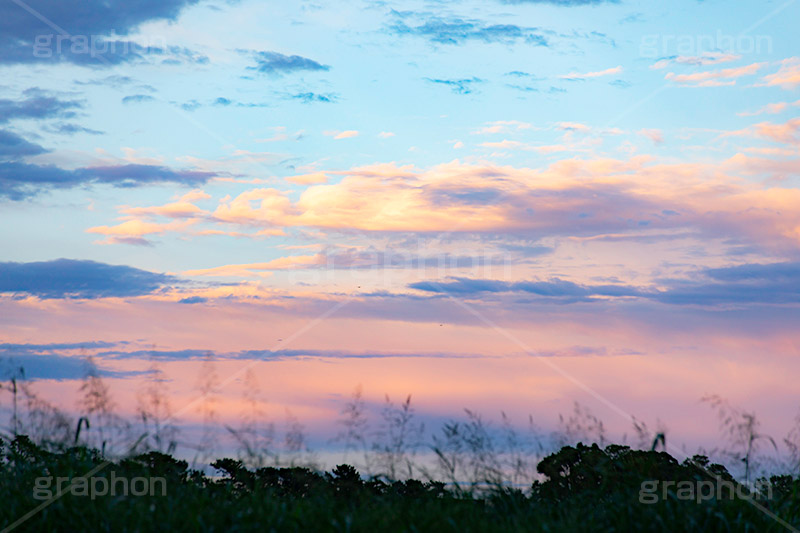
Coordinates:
589 75
788 77
714 78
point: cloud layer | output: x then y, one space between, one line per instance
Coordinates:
70 278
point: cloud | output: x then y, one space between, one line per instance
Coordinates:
277 63
741 285
275 355
459 86
573 126
12 146
34 38
563 3
338 135
555 288
83 279
178 55
133 231
748 284
308 179
51 367
191 105
502 126
771 109
56 361
137 99
782 133
714 78
250 269
310 97
708 58
571 197
577 76
193 300
788 77
654 135
385 134
457 31
22 180
37 104
71 129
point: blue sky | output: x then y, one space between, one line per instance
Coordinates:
605 180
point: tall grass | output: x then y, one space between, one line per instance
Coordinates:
387 441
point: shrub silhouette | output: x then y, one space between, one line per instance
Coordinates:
582 469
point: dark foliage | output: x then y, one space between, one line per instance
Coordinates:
583 488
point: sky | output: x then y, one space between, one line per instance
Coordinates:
505 205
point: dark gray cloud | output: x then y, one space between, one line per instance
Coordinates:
773 283
277 63
133 175
12 146
51 366
66 128
57 361
458 86
743 285
554 288
193 300
51 31
37 104
70 278
266 354
23 180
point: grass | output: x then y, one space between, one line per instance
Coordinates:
468 475
583 488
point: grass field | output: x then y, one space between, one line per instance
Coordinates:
582 488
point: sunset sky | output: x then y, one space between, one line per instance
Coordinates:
496 205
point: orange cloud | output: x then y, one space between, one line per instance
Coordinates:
308 179
138 228
788 77
783 133
249 269
714 78
771 109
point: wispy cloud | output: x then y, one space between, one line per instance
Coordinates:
787 77
338 135
458 86
37 104
456 30
578 76
714 78
277 63
708 58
